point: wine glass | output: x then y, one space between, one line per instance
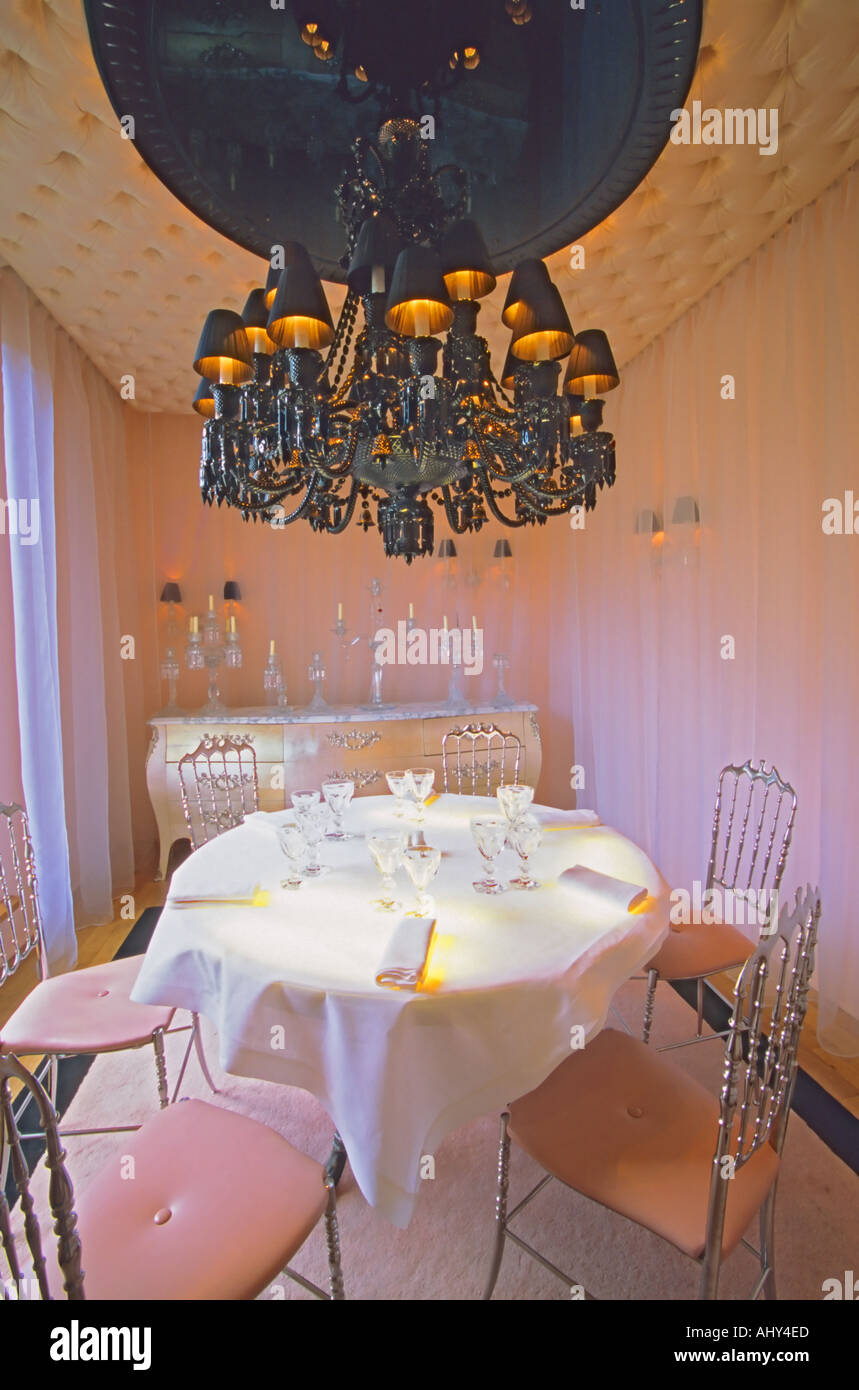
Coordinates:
421 864
514 800
338 794
526 835
301 800
387 852
313 821
399 786
419 781
295 847
490 835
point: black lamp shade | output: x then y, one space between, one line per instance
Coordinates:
204 401
224 353
543 332
648 523
591 370
300 316
502 550
447 549
465 263
508 371
526 282
418 302
271 285
171 593
255 320
378 246
232 592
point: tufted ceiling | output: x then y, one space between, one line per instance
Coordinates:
130 273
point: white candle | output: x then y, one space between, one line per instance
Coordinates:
339 612
377 280
445 622
474 622
302 333
271 647
211 603
422 319
232 624
411 610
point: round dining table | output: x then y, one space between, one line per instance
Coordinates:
512 982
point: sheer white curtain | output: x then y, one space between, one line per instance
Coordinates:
75 595
660 703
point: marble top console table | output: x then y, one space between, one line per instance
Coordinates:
300 748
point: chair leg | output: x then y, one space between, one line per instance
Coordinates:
700 999
500 1205
160 1067
652 977
332 1241
767 1229
201 1056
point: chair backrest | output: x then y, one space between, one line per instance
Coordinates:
761 1058
20 920
503 756
60 1192
218 785
752 829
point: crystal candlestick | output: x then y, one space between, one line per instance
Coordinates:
170 673
213 656
272 678
317 675
502 699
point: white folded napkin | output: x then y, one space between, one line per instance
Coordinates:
219 886
406 954
602 890
269 821
566 820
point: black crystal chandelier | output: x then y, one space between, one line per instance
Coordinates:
379 420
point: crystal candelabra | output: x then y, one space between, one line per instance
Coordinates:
170 664
502 699
273 682
455 691
317 675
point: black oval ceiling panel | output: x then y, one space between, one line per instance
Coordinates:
247 111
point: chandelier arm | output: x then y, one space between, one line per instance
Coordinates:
450 513
341 525
494 507
546 499
509 478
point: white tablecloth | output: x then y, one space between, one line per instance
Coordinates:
291 990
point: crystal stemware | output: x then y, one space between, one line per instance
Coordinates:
526 835
421 864
294 846
303 799
338 794
419 782
490 835
514 800
398 784
313 820
387 852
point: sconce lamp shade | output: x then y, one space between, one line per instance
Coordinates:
465 262
543 332
171 593
648 523
447 549
686 512
300 316
502 550
255 320
526 282
232 592
271 285
224 352
418 303
378 246
591 370
204 401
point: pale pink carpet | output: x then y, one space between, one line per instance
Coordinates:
444 1253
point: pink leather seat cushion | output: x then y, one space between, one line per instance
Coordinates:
84 1011
698 949
234 1202
629 1129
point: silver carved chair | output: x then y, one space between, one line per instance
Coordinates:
465 775
218 785
629 1129
752 829
80 1011
170 1233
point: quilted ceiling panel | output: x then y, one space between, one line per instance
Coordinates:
130 273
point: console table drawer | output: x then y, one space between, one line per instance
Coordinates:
267 739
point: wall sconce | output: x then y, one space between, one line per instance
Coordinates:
687 516
232 592
504 553
648 523
447 553
686 512
171 594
